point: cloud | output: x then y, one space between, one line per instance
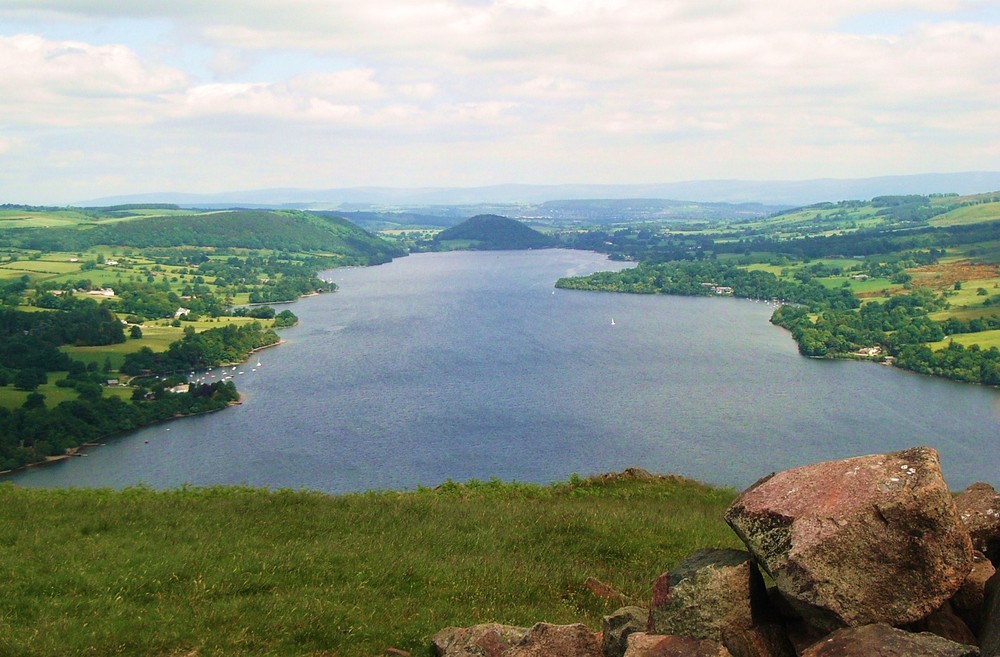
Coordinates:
624 89
69 82
7 144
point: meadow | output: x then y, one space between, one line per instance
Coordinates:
238 571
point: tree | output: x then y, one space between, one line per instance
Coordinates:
30 378
135 332
34 400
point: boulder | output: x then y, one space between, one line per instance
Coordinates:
488 640
618 626
709 590
802 635
881 640
968 603
979 508
945 623
546 640
989 634
765 640
871 539
641 644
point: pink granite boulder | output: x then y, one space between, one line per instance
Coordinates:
641 644
871 539
711 589
884 641
487 640
979 508
547 640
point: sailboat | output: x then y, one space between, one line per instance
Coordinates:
612 321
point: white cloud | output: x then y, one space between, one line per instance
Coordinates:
625 89
7 144
68 82
355 84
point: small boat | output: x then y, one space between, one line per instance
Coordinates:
612 321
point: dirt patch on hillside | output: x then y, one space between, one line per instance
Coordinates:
944 276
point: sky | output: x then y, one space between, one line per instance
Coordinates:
104 97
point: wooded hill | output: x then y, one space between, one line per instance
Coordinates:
293 231
492 232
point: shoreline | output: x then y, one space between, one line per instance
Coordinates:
80 450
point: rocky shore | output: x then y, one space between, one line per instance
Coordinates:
865 557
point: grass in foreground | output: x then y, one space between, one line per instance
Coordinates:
239 571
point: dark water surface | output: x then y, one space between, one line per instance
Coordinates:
467 365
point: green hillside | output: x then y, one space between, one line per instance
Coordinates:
292 231
241 572
492 232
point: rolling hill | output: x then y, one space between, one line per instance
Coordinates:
492 232
287 230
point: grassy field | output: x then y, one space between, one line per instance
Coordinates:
985 339
868 286
964 313
236 571
971 214
11 397
42 266
35 219
66 217
157 335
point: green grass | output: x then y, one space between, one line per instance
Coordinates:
985 339
969 297
866 286
971 214
774 269
987 252
40 219
237 571
156 334
965 313
68 217
11 397
43 266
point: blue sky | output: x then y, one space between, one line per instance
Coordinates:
99 99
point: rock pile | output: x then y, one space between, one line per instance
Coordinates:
869 557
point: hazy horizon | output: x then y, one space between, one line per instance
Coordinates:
774 193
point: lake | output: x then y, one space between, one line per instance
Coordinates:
470 365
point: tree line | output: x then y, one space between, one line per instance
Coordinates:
33 431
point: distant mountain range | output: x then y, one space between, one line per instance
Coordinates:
769 192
